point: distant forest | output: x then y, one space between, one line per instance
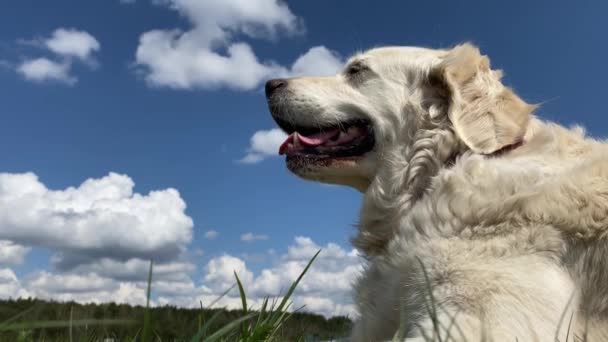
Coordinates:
37 320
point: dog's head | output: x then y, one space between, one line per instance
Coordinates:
342 129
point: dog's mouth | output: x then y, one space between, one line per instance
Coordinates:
347 139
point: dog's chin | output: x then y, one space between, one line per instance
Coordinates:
347 171
319 168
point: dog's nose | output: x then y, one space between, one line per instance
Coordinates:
274 85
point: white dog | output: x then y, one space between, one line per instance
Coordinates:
480 222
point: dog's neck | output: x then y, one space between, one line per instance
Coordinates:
402 181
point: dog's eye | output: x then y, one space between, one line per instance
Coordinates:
354 69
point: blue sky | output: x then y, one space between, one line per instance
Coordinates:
168 94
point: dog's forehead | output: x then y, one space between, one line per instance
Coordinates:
400 55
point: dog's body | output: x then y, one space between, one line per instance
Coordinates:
480 222
495 236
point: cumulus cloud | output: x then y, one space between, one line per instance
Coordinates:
68 46
220 272
264 144
46 283
134 269
250 237
102 235
87 288
326 288
100 218
10 286
72 43
207 55
318 61
211 234
12 254
44 69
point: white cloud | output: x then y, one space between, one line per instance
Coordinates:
91 287
264 144
250 237
11 253
207 55
46 283
326 288
10 286
211 234
68 45
318 61
44 69
87 288
136 269
72 43
220 272
99 218
102 235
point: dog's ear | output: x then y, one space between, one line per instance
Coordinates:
486 115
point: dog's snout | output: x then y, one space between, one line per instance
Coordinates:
274 85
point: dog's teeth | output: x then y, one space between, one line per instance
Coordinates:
296 140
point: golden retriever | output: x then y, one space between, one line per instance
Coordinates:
480 222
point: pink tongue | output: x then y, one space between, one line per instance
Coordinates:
317 139
312 140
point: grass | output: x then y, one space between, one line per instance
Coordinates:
252 324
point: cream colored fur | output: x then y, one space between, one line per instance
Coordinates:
506 245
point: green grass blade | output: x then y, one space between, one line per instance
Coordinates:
200 316
147 330
295 284
262 311
244 330
221 296
71 319
228 328
286 315
241 292
203 331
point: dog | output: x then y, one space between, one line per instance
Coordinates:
480 221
